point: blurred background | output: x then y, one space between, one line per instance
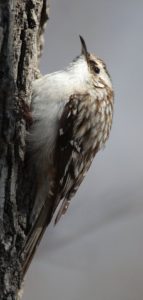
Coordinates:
96 251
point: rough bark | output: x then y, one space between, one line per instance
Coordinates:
22 24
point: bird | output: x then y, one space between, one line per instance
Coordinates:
72 111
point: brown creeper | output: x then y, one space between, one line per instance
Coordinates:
72 113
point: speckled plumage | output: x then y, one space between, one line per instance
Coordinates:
72 113
84 128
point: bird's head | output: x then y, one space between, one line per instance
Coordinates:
97 68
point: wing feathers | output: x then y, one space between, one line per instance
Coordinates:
72 150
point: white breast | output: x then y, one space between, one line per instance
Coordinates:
50 94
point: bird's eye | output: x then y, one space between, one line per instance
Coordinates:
96 70
94 67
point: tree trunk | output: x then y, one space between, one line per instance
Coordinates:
22 25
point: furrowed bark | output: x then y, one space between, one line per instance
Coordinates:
22 24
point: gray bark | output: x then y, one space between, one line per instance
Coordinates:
22 24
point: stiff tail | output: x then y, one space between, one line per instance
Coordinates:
35 237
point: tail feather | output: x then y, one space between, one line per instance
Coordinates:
35 237
38 229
